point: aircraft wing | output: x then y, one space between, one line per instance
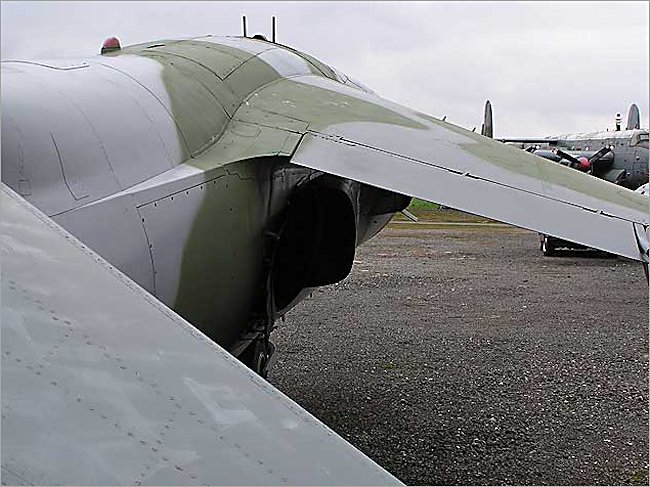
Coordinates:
102 384
357 135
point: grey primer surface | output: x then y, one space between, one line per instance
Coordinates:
101 384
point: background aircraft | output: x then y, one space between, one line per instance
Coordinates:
229 176
618 156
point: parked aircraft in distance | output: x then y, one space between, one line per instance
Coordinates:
227 177
619 156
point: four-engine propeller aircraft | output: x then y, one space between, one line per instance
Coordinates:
226 176
619 156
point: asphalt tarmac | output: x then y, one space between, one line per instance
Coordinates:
460 355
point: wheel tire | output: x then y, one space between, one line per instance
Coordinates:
547 247
255 357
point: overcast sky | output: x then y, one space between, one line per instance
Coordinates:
547 67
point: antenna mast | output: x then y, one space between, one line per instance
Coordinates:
273 29
243 20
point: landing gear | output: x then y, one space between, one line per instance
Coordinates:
548 249
258 356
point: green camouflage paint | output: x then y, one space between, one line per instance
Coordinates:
323 109
521 162
222 258
221 262
318 107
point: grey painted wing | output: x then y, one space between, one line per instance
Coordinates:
360 136
101 384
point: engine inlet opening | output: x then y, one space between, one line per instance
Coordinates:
317 243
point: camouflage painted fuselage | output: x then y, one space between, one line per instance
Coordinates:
228 176
145 155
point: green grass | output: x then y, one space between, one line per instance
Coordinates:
426 211
417 204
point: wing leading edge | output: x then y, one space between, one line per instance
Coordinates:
357 135
102 384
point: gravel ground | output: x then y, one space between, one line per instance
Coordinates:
461 355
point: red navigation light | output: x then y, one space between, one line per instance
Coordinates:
111 44
584 163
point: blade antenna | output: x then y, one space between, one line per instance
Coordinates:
243 20
273 29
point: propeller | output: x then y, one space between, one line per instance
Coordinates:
583 163
572 161
594 158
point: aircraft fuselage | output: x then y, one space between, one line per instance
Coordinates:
139 154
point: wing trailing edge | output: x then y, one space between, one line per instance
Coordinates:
589 225
360 136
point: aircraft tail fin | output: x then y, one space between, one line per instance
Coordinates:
633 118
487 127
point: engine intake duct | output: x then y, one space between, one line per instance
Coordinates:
317 242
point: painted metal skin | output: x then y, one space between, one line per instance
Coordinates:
93 393
139 153
229 176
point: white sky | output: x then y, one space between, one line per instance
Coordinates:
547 67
